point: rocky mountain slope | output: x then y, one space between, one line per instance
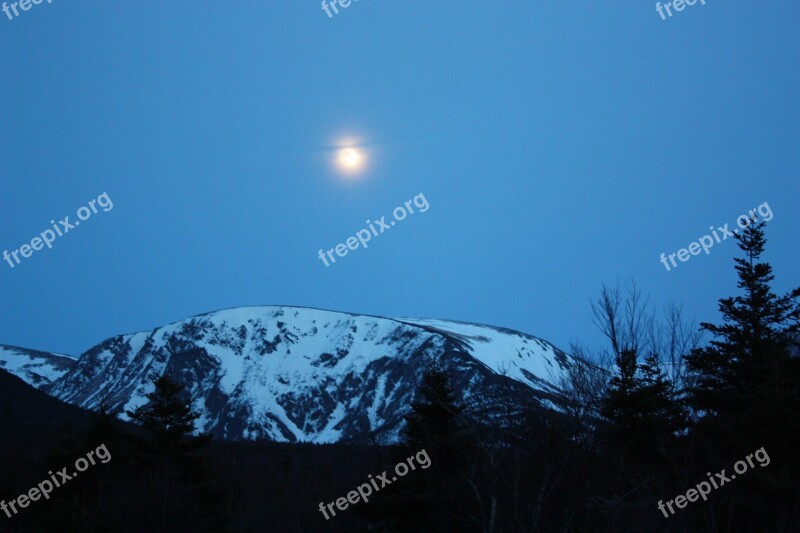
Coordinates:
298 374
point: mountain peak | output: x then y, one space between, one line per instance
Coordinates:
294 374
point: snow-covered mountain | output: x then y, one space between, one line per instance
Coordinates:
39 369
299 374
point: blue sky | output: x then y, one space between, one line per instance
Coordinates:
559 145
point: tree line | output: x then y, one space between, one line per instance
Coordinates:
645 419
639 422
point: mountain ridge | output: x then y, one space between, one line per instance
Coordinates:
292 373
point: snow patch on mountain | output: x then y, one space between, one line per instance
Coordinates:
506 352
39 369
299 374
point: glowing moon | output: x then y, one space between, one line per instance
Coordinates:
350 159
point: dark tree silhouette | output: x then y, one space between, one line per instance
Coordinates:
168 418
439 497
747 389
642 413
747 369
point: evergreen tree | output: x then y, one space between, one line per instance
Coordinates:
168 418
747 377
181 478
642 412
436 498
618 407
747 391
435 417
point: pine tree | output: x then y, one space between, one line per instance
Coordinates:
168 418
434 498
435 417
747 371
642 412
182 479
618 407
666 412
747 391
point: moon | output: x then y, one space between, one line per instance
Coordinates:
350 160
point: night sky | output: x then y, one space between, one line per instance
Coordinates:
559 145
